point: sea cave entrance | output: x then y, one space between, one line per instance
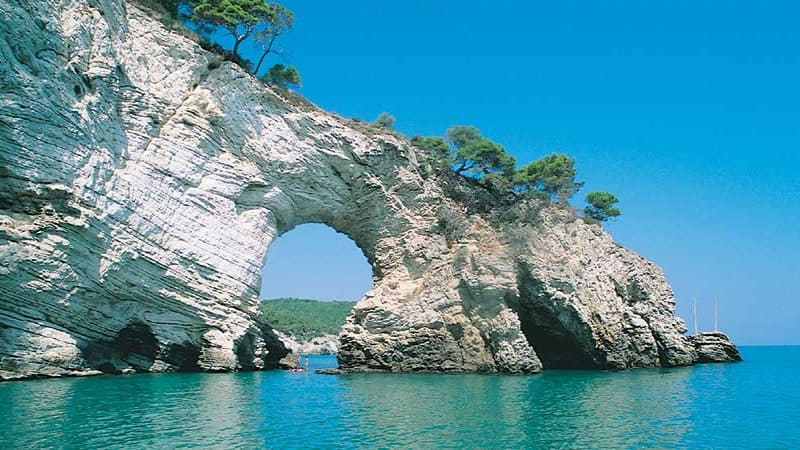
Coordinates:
311 279
560 339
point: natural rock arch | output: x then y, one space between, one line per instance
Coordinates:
145 201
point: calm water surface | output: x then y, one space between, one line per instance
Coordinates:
751 404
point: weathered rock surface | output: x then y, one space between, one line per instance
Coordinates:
327 344
142 181
713 346
290 361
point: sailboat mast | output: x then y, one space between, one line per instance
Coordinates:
694 311
715 314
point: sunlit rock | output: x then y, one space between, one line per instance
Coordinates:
142 181
713 346
326 344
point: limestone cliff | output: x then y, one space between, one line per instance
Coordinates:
143 180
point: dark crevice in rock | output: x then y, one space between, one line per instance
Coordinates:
100 356
246 352
19 197
558 339
555 346
138 344
631 293
183 357
276 350
135 346
456 330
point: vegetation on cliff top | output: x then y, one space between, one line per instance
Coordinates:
601 206
305 318
384 121
256 22
466 152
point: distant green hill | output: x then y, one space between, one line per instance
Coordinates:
305 318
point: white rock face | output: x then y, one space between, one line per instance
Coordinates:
327 344
142 181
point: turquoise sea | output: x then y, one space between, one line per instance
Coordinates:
755 403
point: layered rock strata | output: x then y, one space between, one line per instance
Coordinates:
143 179
713 346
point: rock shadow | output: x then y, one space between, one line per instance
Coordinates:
557 335
135 346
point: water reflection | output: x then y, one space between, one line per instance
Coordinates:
425 409
227 410
19 412
279 409
583 409
632 409
146 410
305 410
707 406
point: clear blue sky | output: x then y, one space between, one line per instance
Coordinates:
688 111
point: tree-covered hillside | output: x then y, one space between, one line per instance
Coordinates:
305 318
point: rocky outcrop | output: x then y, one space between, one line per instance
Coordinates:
713 346
142 180
327 344
558 294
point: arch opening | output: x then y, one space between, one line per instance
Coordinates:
311 279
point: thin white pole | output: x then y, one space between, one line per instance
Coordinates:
715 314
694 309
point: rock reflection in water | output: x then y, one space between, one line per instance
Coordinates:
725 406
141 410
557 408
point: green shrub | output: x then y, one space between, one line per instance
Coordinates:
474 155
554 175
601 206
384 121
282 76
